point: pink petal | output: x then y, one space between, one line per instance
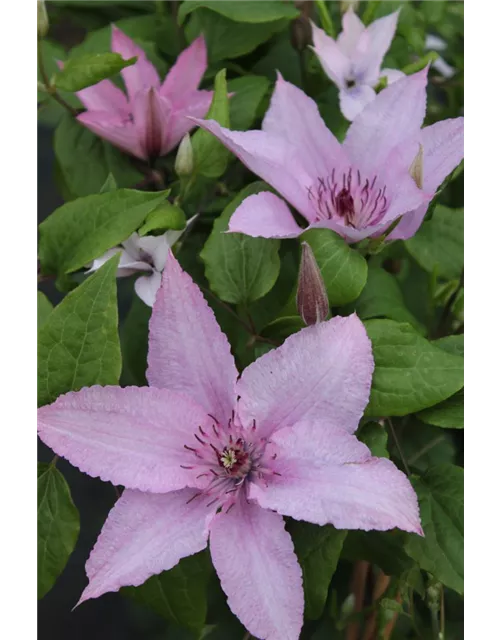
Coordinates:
335 63
142 74
134 436
152 115
187 72
194 104
294 116
443 145
328 476
392 75
354 100
272 158
187 350
104 96
144 535
264 215
380 34
320 373
352 30
259 572
115 129
393 116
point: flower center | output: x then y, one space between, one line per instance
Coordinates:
226 458
350 198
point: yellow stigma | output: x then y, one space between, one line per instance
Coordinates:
228 458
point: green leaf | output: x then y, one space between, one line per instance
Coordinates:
438 246
441 497
318 550
210 155
89 69
242 11
44 308
424 445
85 161
227 39
180 594
166 216
79 346
411 373
451 344
375 437
58 525
448 414
343 269
382 298
240 269
249 93
282 328
82 230
383 548
134 339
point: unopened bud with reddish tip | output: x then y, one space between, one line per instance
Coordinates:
43 19
184 163
312 299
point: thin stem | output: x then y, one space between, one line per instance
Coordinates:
425 449
398 446
442 616
358 588
247 636
54 460
51 90
380 587
420 64
447 311
325 17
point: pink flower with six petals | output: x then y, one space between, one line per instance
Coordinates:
205 454
357 188
151 119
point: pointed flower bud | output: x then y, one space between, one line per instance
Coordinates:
312 300
417 167
184 164
43 19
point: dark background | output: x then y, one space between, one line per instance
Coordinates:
112 616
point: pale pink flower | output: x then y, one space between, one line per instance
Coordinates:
357 188
353 61
207 454
151 119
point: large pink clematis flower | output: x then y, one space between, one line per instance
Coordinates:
206 454
357 188
353 61
151 120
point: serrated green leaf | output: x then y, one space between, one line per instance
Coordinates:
240 269
247 11
79 346
44 308
58 525
210 155
343 269
318 550
89 69
441 552
180 594
438 246
82 230
411 373
85 161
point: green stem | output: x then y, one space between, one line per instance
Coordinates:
51 90
420 64
442 616
160 7
398 446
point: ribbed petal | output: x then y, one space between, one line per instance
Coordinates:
187 72
142 74
354 100
152 115
115 129
104 96
264 215
335 63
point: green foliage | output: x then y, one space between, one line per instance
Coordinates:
243 10
165 216
249 93
89 69
44 308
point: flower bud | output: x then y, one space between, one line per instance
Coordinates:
184 163
43 19
417 167
312 300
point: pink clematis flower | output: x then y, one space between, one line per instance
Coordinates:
205 454
151 119
357 188
353 61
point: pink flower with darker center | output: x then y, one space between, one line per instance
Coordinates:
357 188
207 455
151 119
